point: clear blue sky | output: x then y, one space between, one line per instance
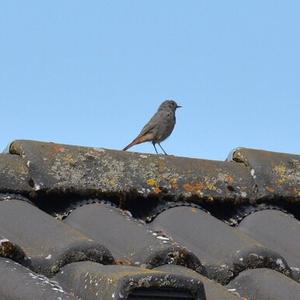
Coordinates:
93 72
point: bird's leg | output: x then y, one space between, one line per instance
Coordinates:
154 147
162 149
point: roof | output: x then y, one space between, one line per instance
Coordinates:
93 223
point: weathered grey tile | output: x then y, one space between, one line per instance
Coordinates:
92 281
19 283
223 250
275 174
278 231
61 168
129 240
48 242
14 176
213 290
265 284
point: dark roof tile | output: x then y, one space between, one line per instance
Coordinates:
132 242
90 281
275 230
48 242
274 174
265 284
14 176
224 250
171 194
17 282
213 290
55 167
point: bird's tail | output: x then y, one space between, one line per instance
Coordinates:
128 146
139 140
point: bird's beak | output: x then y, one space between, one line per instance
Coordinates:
178 106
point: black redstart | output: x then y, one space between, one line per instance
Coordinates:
159 127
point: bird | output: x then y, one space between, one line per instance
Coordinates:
159 127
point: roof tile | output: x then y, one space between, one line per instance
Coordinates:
223 250
132 242
275 230
17 282
14 176
265 284
170 193
91 281
274 174
48 242
213 290
55 167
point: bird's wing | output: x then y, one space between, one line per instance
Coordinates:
154 121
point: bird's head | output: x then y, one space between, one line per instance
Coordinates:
169 105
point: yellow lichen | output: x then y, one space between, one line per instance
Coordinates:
211 186
173 183
281 172
152 182
297 191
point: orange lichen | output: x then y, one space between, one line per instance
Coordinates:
123 261
70 159
157 190
270 190
229 179
94 153
199 187
195 187
58 148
